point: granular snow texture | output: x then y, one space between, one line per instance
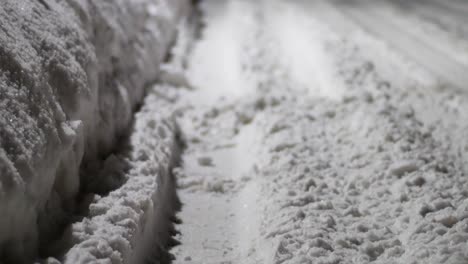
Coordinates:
361 180
71 75
133 223
347 165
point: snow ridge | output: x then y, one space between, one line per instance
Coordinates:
132 224
71 75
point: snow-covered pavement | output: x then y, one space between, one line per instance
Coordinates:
436 54
273 131
310 140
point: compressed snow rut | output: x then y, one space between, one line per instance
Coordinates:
419 46
215 178
309 140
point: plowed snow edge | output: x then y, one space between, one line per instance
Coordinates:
133 223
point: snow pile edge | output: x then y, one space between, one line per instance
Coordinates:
71 75
132 224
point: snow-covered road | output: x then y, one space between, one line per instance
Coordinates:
234 131
320 132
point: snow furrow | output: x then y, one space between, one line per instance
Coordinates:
217 220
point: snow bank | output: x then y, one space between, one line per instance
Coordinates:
71 74
133 223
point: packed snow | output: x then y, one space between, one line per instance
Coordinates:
321 150
278 131
133 223
71 75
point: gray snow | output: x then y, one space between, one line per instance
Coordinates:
290 133
71 75
321 145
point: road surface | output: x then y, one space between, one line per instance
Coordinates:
324 132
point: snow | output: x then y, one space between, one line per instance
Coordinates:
306 68
294 136
343 160
221 75
437 18
71 75
354 210
131 224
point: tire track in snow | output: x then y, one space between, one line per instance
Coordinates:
434 20
418 47
219 185
214 182
322 171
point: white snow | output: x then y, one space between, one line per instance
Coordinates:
131 224
306 138
344 165
303 55
219 77
71 75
